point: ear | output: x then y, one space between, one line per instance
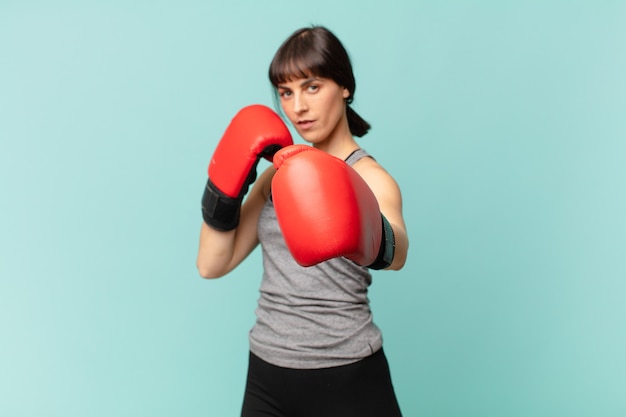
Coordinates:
345 92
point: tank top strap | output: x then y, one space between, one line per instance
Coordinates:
356 156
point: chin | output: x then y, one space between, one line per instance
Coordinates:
307 138
310 137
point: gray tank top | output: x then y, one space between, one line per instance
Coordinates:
314 317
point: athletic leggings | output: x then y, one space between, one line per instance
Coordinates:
361 389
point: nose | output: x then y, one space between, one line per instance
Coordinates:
299 104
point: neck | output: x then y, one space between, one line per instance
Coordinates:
340 143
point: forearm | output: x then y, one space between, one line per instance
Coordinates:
220 252
401 248
215 252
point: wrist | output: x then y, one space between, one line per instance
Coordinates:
387 247
220 211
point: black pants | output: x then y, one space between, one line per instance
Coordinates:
361 389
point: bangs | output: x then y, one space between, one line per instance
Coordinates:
295 60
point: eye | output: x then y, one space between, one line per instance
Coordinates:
285 93
312 88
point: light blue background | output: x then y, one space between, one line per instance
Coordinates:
503 122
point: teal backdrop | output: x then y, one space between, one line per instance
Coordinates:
504 122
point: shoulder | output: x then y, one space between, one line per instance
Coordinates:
375 174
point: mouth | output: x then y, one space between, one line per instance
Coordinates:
305 124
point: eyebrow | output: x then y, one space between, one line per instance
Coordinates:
302 84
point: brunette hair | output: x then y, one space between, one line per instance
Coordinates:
316 51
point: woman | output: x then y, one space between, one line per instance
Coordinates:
314 350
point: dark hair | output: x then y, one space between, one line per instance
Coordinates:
316 51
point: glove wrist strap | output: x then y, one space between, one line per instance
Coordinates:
387 247
220 211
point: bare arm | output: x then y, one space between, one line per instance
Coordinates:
389 197
220 252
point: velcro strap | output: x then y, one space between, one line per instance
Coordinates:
220 211
387 247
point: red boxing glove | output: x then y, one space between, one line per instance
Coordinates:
326 210
256 131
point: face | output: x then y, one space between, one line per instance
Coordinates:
316 107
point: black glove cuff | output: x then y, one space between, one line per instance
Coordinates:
220 211
387 247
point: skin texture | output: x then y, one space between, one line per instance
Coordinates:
317 109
